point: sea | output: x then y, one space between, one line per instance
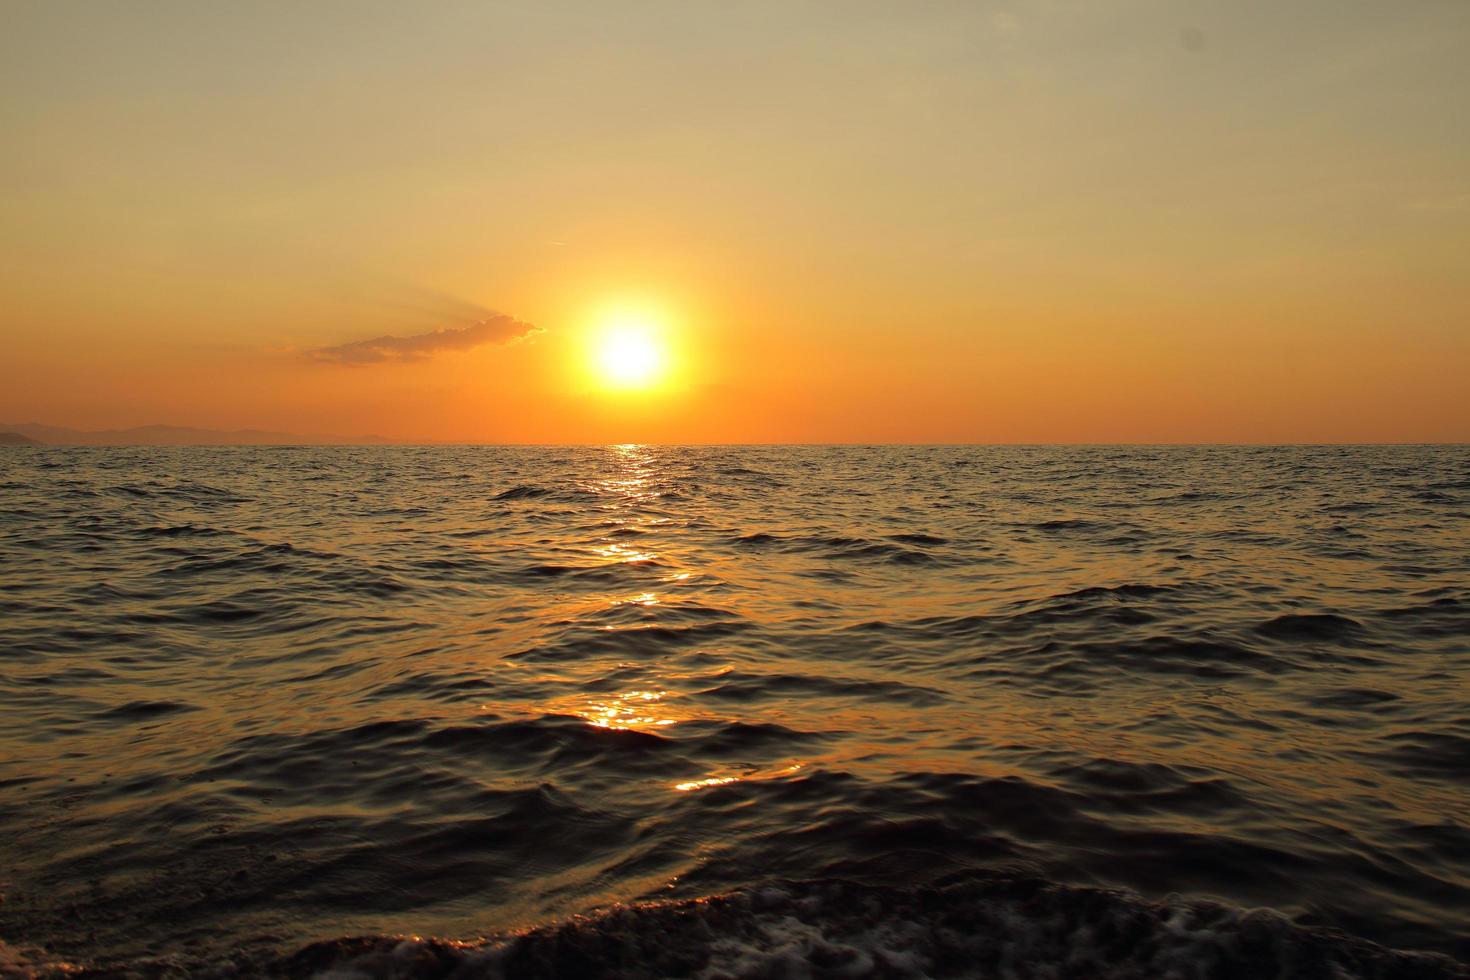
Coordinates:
648 711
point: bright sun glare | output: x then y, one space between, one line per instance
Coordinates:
629 354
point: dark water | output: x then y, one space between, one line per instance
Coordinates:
904 709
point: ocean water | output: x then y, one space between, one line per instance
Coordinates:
756 711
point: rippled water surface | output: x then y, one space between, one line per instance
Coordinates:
282 695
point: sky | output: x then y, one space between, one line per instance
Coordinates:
1020 221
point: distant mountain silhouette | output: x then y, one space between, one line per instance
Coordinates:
172 435
16 439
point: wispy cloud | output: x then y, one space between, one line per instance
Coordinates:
497 329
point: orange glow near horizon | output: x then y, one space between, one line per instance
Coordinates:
1051 225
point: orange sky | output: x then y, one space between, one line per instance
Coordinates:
1034 221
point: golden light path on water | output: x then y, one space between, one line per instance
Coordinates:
629 711
643 709
709 781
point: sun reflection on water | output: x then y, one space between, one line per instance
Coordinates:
693 785
623 553
629 711
632 484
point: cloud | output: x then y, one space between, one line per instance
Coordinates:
497 329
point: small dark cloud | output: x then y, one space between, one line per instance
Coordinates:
1192 39
498 329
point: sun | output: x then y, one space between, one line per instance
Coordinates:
629 358
628 352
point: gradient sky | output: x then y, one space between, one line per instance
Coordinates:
1032 221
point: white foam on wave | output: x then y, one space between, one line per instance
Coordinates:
993 929
986 928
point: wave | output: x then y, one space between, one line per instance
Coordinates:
979 926
455 689
847 548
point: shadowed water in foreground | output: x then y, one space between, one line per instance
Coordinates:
908 710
